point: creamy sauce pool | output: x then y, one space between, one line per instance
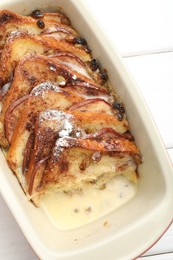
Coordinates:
68 212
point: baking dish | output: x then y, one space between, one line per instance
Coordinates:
137 225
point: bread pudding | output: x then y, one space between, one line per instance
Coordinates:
62 127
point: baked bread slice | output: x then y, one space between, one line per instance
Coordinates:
48 24
45 96
77 163
94 104
19 44
51 124
94 121
58 17
34 69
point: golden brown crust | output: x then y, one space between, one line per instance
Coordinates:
10 21
20 44
57 17
84 163
96 121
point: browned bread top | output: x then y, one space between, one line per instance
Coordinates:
19 44
48 24
45 96
76 163
7 16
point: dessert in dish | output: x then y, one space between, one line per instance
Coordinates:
62 128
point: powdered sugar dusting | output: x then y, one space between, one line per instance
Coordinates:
40 89
80 133
61 143
67 129
53 114
74 77
5 88
64 121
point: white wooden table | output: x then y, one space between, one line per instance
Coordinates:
142 31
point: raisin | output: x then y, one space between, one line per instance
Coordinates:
79 40
37 14
40 24
82 41
103 76
94 65
118 106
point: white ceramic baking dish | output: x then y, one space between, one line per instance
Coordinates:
137 225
